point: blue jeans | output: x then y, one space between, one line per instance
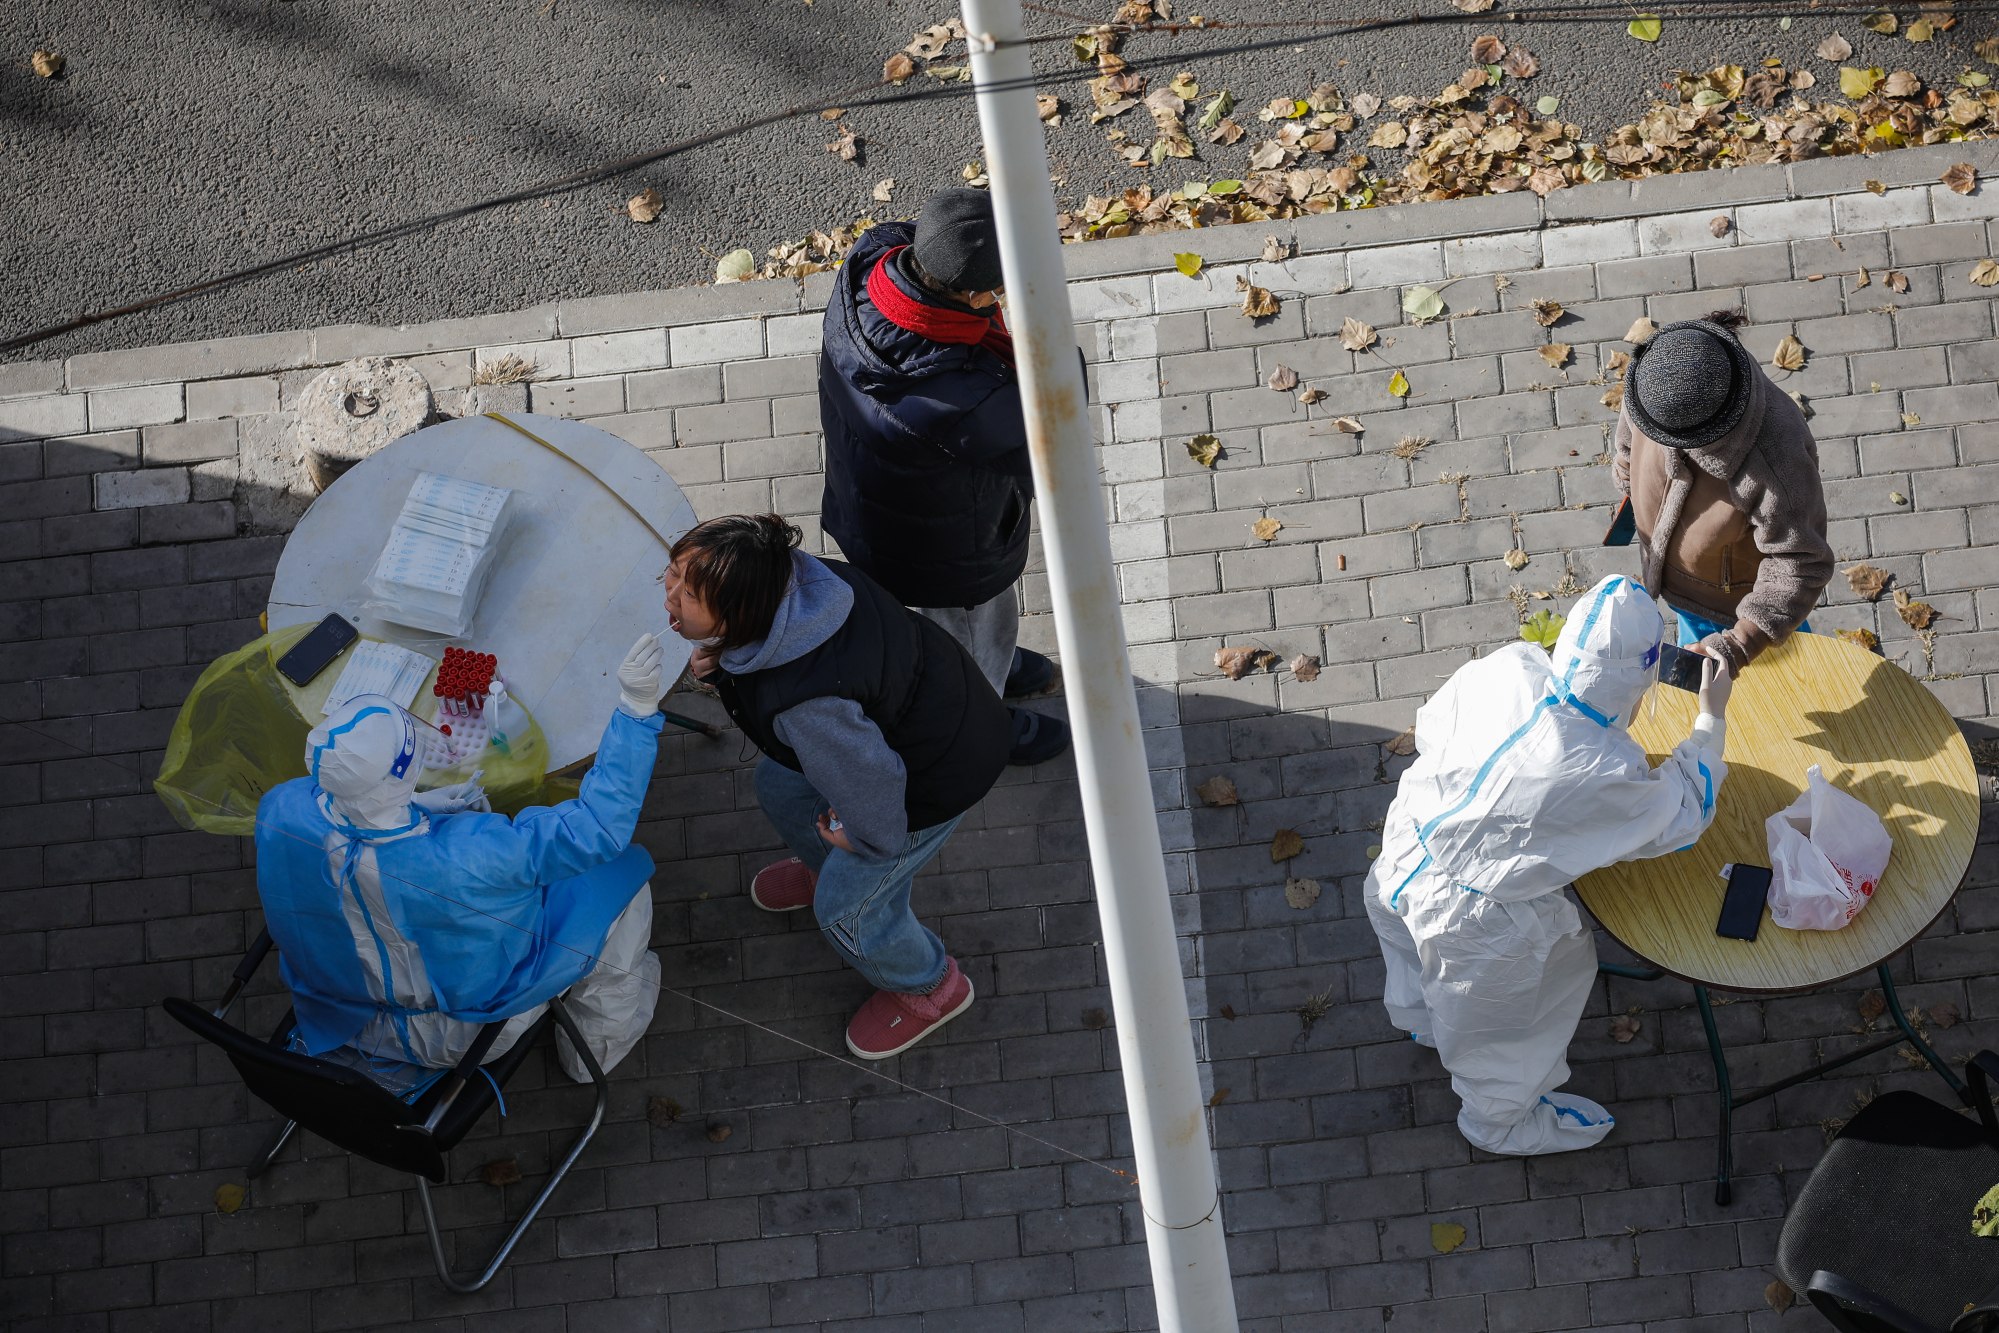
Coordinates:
1694 628
862 905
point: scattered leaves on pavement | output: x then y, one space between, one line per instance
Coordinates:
1204 449
1257 302
1357 336
1640 332
1985 273
1556 355
1867 581
1310 395
1285 844
663 1111
933 40
1487 50
1409 446
501 1171
1049 107
1516 559
898 67
1275 251
1266 528
1472 6
1897 498
1398 384
1624 1027
1915 614
1546 313
884 190
1301 893
1872 1005
47 64
1304 666
1862 638
1645 27
1858 83
1422 304
1402 743
1446 1236
1834 49
1719 225
1188 264
1779 1296
1790 354
1943 1015
1543 627
1348 426
229 1196
645 205
1521 64
1548 104
1095 1019
1896 280
1235 663
1283 379
1962 178
719 1131
847 146
736 266
1218 790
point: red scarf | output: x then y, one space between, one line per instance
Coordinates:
938 323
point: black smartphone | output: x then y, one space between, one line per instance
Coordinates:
1680 668
1623 527
1742 905
316 651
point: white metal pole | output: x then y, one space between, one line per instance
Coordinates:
1176 1176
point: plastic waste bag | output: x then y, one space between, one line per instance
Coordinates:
239 735
1827 852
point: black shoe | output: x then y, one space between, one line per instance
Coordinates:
1037 737
1030 674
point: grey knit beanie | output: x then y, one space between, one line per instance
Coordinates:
1690 384
956 241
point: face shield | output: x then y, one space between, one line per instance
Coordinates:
367 756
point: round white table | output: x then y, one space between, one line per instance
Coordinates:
578 576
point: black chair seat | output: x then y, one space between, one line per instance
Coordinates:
1889 1207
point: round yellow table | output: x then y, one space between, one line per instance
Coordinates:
1875 733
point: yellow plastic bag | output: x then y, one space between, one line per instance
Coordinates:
239 735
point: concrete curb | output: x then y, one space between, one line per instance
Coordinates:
1333 233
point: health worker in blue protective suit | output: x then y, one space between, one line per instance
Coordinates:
406 920
1526 778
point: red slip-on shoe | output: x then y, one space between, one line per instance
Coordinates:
784 887
891 1022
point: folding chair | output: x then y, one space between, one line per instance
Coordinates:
1879 1240
347 1108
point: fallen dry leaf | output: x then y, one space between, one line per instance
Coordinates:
848 146
1719 224
1897 280
1790 354
1404 743
1867 581
1204 449
1257 302
884 190
719 1131
1285 844
1779 1296
1624 1027
1613 397
1221 1095
1473 6
1556 354
229 1196
1049 107
1309 396
1546 312
1862 638
930 43
1446 1236
1915 614
1266 529
46 64
1364 105
1520 63
1235 663
1275 251
1872 1005
1301 893
1218 790
1943 1015
1357 336
1487 50
1640 332
1348 426
898 67
1861 278
1962 178
1095 1019
1516 559
501 1171
1834 48
663 1111
1902 83
1398 385
1304 666
1985 273
1283 379
645 205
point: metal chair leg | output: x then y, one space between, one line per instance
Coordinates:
603 1087
1725 1098
1909 1034
273 1148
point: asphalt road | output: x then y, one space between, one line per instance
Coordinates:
184 140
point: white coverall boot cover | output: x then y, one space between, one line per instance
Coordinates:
1525 779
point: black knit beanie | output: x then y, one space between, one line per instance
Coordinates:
956 241
1690 384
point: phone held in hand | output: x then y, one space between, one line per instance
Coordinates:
1679 668
1623 527
1742 905
316 651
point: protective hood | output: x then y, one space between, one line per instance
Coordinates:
1608 653
365 759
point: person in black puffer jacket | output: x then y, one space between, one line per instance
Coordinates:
928 486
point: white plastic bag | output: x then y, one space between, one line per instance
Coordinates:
1827 852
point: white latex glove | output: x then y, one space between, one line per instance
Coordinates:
1717 682
457 797
638 678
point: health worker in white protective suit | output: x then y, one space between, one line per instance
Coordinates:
1526 777
406 920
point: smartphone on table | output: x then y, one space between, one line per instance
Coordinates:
1742 905
316 651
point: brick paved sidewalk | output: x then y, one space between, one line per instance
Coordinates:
840 1201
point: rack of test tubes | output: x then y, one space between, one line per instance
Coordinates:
464 681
